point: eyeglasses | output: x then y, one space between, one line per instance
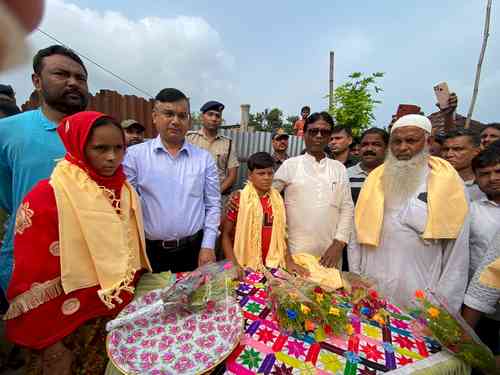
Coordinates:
182 116
313 132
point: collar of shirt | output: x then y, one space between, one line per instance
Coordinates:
470 182
310 158
358 170
45 122
158 146
487 202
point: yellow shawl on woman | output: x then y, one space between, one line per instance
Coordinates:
446 204
98 245
248 235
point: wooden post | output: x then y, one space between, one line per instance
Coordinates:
330 92
486 34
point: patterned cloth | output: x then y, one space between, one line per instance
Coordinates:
88 346
371 350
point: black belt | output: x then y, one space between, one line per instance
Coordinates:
173 244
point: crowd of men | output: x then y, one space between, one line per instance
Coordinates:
425 217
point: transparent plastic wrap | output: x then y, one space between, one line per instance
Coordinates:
204 287
433 315
302 306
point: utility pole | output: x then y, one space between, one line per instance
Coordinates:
486 34
330 92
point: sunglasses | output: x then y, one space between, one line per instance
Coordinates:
323 132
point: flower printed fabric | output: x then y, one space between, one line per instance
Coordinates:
179 343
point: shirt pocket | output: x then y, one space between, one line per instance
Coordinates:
221 161
414 215
335 194
194 184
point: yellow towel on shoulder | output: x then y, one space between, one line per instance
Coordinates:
97 245
446 204
248 234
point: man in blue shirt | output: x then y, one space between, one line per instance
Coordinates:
179 188
29 144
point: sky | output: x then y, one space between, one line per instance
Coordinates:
276 53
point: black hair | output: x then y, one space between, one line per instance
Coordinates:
55 50
341 128
378 131
260 160
170 95
486 158
7 90
304 108
474 138
105 120
494 125
316 116
8 108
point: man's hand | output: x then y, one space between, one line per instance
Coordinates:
293 267
452 105
333 254
206 256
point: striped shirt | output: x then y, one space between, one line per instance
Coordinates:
357 178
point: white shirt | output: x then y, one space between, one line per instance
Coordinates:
357 177
485 222
318 203
473 191
404 262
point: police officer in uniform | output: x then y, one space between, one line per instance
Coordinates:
221 147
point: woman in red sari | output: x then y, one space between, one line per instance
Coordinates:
78 249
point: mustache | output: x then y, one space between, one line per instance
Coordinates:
73 91
369 153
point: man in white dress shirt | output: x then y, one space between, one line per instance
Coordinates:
319 207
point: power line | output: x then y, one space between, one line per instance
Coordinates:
97 64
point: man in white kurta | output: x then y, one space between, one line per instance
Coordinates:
319 207
406 257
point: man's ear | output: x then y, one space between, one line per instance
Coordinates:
37 81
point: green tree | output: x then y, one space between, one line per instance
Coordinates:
196 119
274 119
354 102
266 121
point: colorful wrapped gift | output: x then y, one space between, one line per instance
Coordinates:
434 317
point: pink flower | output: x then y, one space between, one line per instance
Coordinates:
131 339
168 357
220 349
190 324
183 364
148 359
201 357
148 343
206 342
184 337
206 327
174 330
186 348
115 338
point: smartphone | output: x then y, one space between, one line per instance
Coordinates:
407 109
442 94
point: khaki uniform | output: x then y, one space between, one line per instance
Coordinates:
223 150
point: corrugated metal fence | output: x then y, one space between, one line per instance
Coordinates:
248 143
123 107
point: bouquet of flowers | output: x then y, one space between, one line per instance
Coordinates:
451 331
301 306
206 286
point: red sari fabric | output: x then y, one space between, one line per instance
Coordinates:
36 260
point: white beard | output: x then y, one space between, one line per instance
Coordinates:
402 178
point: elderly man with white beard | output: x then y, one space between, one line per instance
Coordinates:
411 224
